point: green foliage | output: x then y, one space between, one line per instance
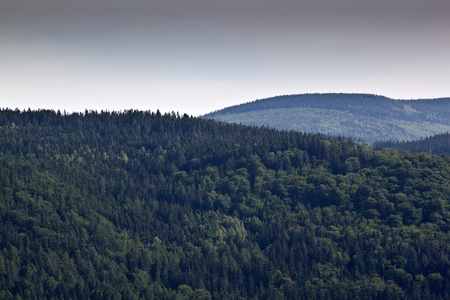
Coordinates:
142 205
436 144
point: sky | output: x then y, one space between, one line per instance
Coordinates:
198 56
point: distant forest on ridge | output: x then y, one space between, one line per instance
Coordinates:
364 117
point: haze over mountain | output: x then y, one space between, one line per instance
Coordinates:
364 117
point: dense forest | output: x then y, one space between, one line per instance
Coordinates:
130 205
363 117
437 144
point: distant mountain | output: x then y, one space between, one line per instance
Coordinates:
432 145
361 116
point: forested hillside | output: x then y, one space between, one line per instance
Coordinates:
432 145
142 205
364 117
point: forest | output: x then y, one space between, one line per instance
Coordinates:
436 144
144 205
364 117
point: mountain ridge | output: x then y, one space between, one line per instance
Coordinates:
364 117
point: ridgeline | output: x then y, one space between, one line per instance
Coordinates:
364 117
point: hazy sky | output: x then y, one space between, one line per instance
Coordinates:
196 56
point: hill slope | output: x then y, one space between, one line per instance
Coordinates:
139 205
361 116
436 144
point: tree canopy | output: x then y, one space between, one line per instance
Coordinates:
112 205
436 144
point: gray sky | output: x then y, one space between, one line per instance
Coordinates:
196 56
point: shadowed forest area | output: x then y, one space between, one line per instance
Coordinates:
437 144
